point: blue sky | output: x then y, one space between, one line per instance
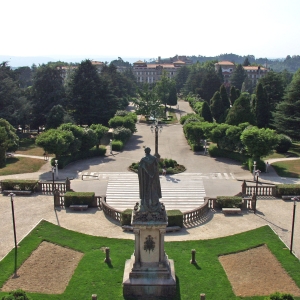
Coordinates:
148 29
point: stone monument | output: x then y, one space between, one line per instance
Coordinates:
149 272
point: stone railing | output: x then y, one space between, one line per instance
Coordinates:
59 200
47 187
259 190
110 211
196 214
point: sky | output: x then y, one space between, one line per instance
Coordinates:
148 29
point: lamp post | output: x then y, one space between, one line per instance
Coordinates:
205 143
56 168
155 128
14 227
110 145
254 169
295 199
256 189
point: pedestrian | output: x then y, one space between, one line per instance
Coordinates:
267 167
164 171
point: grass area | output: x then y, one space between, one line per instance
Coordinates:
28 147
19 165
92 275
290 168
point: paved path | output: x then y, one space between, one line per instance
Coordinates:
217 176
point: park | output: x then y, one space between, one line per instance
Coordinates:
227 247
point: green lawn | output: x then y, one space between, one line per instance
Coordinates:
293 152
94 276
289 168
20 165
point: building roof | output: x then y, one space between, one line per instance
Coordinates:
254 68
139 62
179 62
225 63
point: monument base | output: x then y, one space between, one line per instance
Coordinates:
149 279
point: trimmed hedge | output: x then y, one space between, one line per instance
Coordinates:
126 217
288 189
19 185
79 198
64 160
175 218
229 201
117 145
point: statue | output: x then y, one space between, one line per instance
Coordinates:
150 191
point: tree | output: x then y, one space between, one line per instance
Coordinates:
209 85
181 77
287 113
47 91
217 108
55 141
172 100
220 75
233 96
259 142
261 107
162 89
241 111
90 97
147 102
88 140
194 133
77 132
55 117
238 76
100 131
206 112
246 62
224 97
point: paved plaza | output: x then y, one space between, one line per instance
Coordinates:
205 176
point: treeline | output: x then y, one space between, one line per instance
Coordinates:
38 97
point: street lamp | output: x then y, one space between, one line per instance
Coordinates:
53 169
254 169
257 172
56 168
205 147
110 145
155 128
14 226
295 199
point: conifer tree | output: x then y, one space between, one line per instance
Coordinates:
206 112
261 107
217 107
224 96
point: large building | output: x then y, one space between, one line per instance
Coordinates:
152 72
253 72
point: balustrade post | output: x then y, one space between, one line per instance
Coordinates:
244 185
68 184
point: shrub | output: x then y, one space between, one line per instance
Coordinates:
126 217
117 145
175 218
196 147
288 189
16 295
279 296
229 201
185 117
284 143
67 159
214 151
122 134
260 165
126 121
79 198
20 185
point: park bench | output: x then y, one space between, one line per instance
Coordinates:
231 210
78 207
168 229
289 197
89 175
16 192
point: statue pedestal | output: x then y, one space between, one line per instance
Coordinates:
149 272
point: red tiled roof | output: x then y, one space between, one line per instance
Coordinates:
225 62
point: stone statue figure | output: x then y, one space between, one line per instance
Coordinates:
150 191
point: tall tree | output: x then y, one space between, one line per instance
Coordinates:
246 62
172 100
261 107
163 89
233 96
206 112
181 77
210 84
217 108
238 76
287 113
224 96
47 91
90 96
241 111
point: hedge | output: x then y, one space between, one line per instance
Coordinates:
19 185
175 218
126 217
64 160
117 145
79 198
288 189
229 202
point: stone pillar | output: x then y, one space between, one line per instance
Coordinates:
244 185
68 184
137 247
94 297
202 296
107 258
193 260
161 246
56 196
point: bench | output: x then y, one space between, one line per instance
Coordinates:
168 229
231 210
88 175
16 192
78 207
